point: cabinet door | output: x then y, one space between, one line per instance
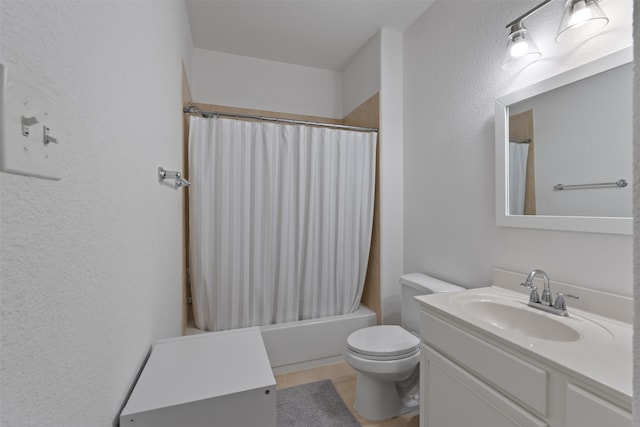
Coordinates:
452 397
585 409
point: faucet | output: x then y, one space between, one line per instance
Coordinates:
545 302
546 292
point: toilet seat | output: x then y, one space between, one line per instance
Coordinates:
383 342
391 358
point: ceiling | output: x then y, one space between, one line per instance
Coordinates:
315 33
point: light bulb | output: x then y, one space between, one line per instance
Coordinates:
519 48
581 14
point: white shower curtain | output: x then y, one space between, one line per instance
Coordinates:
518 154
280 221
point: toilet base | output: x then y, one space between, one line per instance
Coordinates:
379 400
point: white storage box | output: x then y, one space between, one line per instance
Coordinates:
218 379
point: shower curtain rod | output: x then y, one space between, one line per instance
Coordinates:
194 110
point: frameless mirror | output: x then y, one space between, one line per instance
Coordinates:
564 150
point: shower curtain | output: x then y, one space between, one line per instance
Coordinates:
280 220
518 154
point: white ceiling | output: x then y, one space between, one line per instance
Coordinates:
316 33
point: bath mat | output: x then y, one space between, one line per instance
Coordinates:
315 404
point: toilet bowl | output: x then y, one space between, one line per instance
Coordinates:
383 356
386 357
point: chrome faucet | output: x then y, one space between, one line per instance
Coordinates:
546 292
545 302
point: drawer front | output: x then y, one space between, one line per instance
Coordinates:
522 380
475 403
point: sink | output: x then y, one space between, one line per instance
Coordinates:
507 314
521 320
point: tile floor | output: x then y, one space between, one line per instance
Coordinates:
344 379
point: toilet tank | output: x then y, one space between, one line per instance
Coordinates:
412 285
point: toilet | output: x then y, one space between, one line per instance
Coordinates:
386 357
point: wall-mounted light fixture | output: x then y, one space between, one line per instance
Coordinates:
580 18
521 49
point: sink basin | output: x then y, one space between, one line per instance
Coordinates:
507 315
521 320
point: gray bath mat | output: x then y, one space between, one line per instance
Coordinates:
313 405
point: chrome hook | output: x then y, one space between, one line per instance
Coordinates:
177 176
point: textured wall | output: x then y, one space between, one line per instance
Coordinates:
361 76
636 222
452 76
90 265
239 81
391 179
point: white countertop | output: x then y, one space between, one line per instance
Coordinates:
602 353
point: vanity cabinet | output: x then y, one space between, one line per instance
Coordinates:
471 379
584 408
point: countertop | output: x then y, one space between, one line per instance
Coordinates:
602 354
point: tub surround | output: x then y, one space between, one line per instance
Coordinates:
560 371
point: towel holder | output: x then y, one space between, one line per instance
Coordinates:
619 183
175 175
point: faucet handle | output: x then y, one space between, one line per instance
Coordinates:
526 284
560 303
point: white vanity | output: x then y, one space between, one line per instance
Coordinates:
488 359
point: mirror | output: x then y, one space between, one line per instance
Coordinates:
564 150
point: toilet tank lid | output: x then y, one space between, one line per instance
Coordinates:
422 282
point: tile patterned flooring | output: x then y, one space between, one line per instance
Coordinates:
343 377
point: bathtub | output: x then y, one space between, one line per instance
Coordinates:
308 343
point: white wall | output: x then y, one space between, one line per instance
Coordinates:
636 224
378 67
361 77
90 266
391 179
239 81
452 76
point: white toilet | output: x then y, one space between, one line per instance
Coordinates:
386 356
